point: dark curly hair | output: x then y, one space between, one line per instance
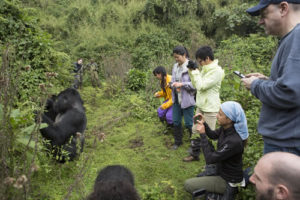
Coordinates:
114 182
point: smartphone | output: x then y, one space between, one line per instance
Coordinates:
197 118
239 74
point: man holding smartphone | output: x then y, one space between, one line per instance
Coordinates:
279 121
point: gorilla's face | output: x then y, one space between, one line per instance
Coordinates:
63 103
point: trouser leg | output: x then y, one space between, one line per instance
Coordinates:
169 115
196 147
210 183
178 135
210 119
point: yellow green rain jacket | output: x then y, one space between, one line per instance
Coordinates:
208 84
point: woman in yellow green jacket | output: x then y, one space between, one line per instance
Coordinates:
165 110
208 85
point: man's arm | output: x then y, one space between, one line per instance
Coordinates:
282 93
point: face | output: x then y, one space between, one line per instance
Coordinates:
264 190
270 19
158 76
223 120
204 62
79 61
179 58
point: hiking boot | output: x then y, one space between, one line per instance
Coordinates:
190 159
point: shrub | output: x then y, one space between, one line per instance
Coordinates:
136 79
149 47
232 19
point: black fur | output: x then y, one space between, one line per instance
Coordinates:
114 182
65 116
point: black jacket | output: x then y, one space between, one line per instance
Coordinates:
228 155
77 67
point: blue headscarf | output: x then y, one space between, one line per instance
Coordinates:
235 112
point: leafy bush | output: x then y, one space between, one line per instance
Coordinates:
149 47
136 79
232 19
164 12
250 54
31 47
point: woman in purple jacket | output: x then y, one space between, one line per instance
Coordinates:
183 95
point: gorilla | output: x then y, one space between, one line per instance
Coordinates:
66 119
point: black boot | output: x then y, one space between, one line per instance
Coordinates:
177 136
162 120
230 192
190 132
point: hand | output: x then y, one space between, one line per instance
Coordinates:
177 84
200 118
258 75
200 127
156 94
200 123
248 81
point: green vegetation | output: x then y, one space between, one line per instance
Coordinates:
39 40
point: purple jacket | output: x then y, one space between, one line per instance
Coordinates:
187 90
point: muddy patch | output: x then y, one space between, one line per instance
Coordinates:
168 143
137 142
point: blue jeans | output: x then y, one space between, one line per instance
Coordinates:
268 148
187 113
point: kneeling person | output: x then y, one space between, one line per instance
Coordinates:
231 136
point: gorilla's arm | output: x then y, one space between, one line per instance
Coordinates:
64 127
47 119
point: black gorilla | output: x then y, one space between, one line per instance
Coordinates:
66 119
114 182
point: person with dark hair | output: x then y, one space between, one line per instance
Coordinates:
279 93
78 70
165 110
228 157
208 84
114 182
276 176
183 94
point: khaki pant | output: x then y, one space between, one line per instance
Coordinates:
215 184
209 117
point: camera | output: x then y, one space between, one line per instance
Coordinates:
197 118
192 65
170 85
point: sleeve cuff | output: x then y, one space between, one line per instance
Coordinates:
195 72
254 85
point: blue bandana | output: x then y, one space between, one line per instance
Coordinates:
235 112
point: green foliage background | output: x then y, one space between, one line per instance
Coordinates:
128 39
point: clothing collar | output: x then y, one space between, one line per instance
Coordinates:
280 41
184 68
214 63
